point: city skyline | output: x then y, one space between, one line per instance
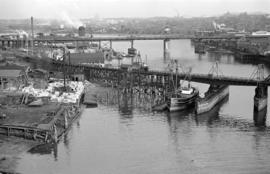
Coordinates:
78 9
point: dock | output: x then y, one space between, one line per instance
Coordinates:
45 121
44 124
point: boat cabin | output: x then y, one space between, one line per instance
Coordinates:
187 91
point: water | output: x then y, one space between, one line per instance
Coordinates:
109 140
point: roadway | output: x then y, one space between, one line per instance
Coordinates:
129 38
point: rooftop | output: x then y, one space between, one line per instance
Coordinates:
10 73
9 66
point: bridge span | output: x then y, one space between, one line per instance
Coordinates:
55 39
162 77
166 80
16 42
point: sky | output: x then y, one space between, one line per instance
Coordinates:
17 9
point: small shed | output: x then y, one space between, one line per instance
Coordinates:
12 77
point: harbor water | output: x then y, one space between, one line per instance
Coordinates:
132 139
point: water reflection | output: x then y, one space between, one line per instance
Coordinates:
125 103
212 116
46 149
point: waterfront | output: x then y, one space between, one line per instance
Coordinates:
103 141
106 140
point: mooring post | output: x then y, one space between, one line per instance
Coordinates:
17 43
35 135
55 134
7 131
166 48
25 133
110 44
13 44
76 45
65 119
131 43
99 44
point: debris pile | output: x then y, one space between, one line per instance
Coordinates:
57 93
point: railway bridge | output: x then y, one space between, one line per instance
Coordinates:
16 42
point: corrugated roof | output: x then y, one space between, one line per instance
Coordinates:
10 73
77 58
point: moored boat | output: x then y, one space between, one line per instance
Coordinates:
182 99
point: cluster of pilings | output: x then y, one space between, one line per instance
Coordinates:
260 104
16 43
126 99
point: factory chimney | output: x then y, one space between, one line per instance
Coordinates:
32 34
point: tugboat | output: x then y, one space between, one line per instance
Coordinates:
182 97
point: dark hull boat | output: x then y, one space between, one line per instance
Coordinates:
182 99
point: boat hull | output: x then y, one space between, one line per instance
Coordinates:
179 104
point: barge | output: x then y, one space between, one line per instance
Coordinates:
214 95
47 121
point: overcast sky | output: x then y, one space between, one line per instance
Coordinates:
126 8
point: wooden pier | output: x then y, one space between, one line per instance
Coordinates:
45 126
162 80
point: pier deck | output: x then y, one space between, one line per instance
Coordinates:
44 123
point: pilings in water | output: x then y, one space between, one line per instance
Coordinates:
261 94
131 43
145 90
99 44
166 52
110 44
260 105
260 98
259 117
18 43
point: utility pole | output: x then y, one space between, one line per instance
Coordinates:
32 34
64 62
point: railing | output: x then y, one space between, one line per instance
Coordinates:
127 37
26 132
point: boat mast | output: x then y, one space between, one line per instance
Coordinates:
176 78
